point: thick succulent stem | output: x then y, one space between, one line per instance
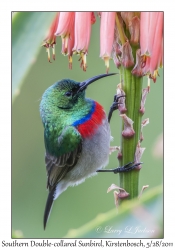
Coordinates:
132 87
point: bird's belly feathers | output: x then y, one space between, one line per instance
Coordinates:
96 136
95 155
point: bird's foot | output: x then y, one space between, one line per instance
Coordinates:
114 106
125 168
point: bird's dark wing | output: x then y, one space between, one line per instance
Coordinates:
69 151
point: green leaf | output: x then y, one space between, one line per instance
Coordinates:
17 234
137 218
28 31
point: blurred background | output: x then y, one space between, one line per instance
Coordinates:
78 205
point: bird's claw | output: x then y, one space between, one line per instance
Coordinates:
114 106
125 168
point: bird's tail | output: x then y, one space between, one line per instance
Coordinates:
48 206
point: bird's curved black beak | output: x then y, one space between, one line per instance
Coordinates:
83 85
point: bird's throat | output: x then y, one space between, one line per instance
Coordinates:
88 124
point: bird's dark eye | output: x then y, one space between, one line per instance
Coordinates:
69 93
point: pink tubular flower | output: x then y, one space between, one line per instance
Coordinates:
151 37
157 44
83 22
144 31
107 35
70 47
131 39
65 29
50 40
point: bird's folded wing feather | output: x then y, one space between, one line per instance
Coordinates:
69 151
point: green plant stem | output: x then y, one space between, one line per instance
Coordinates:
132 87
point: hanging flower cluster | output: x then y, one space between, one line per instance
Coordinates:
132 39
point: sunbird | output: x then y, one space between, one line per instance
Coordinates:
76 135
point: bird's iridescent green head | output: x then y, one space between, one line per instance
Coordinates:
67 93
63 94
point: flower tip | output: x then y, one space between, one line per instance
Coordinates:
142 110
128 131
122 109
138 167
141 192
123 194
82 58
154 75
141 138
53 52
48 54
119 156
106 59
53 56
70 62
